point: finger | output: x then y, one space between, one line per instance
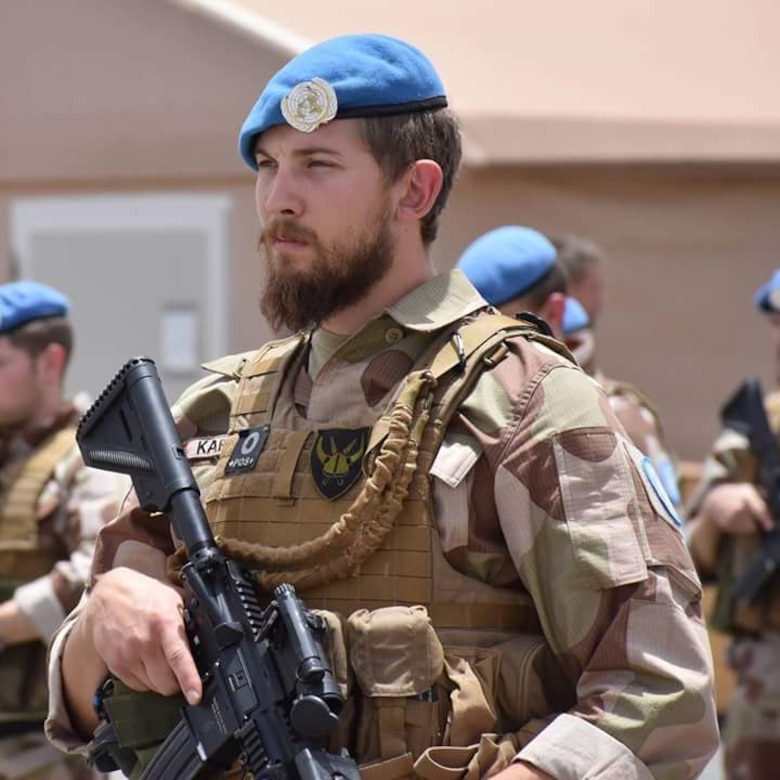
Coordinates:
179 660
759 511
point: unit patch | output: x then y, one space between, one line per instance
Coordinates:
247 450
654 480
204 447
336 459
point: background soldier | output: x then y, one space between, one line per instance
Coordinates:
584 267
50 511
514 595
729 513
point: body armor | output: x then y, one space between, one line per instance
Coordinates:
23 559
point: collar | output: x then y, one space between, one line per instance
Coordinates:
439 302
442 301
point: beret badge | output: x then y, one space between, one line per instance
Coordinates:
309 104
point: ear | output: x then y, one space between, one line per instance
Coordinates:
552 311
421 186
51 363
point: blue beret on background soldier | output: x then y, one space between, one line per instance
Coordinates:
508 593
51 508
729 514
513 267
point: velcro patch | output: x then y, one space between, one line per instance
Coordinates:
247 450
204 447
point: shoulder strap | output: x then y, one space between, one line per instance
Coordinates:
465 352
261 376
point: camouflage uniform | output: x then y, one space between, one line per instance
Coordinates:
557 578
752 733
51 509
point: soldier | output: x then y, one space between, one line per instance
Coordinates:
50 511
515 594
582 261
728 513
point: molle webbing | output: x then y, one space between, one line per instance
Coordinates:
20 557
274 521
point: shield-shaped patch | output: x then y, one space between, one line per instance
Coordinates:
336 459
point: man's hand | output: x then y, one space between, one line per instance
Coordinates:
132 626
137 627
735 509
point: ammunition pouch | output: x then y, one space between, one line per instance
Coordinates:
428 704
139 722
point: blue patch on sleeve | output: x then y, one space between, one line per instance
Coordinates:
660 491
665 469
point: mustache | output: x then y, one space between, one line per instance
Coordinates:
289 230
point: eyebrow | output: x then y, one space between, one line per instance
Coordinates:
305 152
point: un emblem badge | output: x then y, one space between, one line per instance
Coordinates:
336 460
309 105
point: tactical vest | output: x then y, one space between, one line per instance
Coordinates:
23 559
277 505
433 663
735 555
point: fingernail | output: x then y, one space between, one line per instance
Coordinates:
192 696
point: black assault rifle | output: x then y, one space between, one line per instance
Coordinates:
269 698
744 412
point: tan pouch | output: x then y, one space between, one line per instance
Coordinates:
397 659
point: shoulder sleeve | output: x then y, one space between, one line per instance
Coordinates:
203 409
600 550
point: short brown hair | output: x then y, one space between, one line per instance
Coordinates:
34 336
398 141
575 254
554 281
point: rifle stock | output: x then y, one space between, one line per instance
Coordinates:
269 698
744 412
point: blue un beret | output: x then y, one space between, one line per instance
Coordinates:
505 262
348 76
24 301
767 298
575 317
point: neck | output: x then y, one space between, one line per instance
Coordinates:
409 270
51 407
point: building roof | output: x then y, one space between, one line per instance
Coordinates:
614 80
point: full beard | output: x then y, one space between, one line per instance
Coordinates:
338 276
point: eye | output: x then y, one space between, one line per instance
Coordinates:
320 164
264 162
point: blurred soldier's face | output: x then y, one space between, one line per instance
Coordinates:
325 217
20 386
589 290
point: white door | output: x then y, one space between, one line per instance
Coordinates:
145 275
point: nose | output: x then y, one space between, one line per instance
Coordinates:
277 193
